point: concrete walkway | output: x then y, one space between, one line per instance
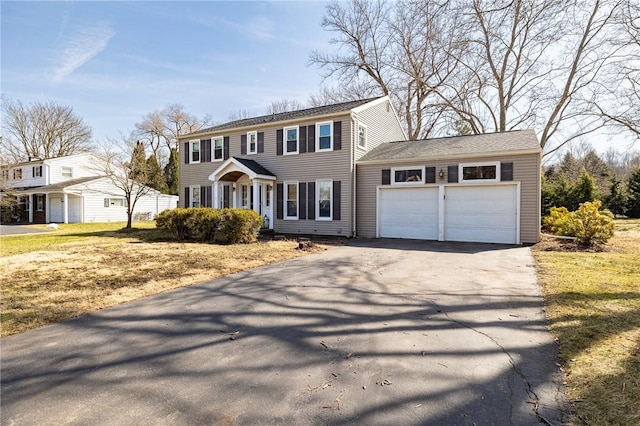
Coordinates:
374 333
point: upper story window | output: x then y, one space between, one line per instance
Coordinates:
362 136
5 174
324 136
37 171
252 142
291 140
218 148
480 172
17 174
194 150
66 171
407 175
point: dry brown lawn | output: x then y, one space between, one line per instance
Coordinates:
72 279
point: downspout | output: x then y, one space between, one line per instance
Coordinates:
353 175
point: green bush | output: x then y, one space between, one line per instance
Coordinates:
588 224
226 226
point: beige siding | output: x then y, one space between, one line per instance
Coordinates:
382 126
526 170
305 167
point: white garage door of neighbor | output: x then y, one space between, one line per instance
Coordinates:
408 213
486 214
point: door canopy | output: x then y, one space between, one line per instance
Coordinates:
234 168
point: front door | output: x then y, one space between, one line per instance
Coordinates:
266 204
56 204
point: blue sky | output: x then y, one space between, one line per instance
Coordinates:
113 62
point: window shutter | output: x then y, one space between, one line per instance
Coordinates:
186 153
336 200
206 150
452 174
386 177
226 196
311 207
225 148
260 142
311 138
243 144
280 201
187 195
506 171
430 175
279 137
302 193
302 140
337 135
106 202
203 196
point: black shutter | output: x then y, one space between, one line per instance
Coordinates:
226 148
311 138
311 207
302 139
206 150
280 201
336 200
226 196
186 196
203 196
302 193
506 171
279 136
243 144
386 177
430 175
452 172
260 142
186 153
337 135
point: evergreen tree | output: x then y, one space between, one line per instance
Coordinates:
616 201
137 168
582 191
171 172
155 177
633 203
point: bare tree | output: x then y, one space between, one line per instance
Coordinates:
239 115
284 105
123 163
42 130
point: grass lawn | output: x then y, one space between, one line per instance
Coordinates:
80 268
593 304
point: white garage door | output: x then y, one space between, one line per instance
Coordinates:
481 213
408 213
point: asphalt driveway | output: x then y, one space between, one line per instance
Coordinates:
376 332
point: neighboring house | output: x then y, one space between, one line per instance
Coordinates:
70 189
347 169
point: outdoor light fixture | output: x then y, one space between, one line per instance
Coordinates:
441 173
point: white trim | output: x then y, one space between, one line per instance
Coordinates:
324 123
450 157
395 169
213 148
368 105
286 200
317 206
191 143
249 134
366 135
284 140
461 167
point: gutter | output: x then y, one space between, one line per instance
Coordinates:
452 156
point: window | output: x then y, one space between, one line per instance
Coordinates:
362 136
484 172
291 140
195 196
246 195
194 147
39 202
5 174
37 171
413 175
17 174
324 136
252 142
114 202
218 148
324 195
67 172
291 200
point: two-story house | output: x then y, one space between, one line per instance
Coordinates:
71 189
347 169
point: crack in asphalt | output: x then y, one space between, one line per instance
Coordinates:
514 367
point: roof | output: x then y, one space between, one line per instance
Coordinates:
60 186
254 166
472 145
285 116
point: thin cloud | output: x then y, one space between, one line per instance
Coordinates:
80 48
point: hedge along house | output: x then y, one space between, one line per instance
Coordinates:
347 169
296 169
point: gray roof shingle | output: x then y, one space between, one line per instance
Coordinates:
284 116
472 145
254 166
60 186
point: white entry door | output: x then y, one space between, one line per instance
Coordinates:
266 204
56 206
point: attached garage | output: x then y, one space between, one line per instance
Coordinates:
408 213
